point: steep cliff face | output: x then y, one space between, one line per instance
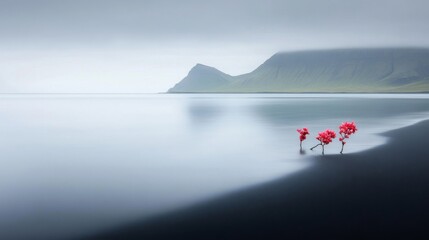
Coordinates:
344 70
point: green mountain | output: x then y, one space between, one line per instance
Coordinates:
342 70
202 78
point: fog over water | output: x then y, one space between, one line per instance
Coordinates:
130 46
72 164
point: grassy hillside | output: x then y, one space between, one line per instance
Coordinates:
344 70
202 78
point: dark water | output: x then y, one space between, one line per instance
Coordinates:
73 164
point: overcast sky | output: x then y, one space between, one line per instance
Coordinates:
148 46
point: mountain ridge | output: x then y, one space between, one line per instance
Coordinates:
335 70
213 78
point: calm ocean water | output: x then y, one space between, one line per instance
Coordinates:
73 164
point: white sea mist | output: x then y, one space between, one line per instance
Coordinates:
77 163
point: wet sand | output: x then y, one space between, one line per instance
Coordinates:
376 194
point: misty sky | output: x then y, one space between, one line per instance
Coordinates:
148 46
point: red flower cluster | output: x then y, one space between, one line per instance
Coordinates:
346 129
302 133
326 136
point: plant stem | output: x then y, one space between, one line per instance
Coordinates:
342 143
316 146
300 145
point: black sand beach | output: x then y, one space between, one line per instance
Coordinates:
377 194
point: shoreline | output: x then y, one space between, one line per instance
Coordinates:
422 92
376 193
220 93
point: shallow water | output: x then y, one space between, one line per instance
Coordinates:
77 163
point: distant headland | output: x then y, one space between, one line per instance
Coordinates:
363 70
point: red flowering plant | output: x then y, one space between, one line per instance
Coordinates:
346 129
302 135
324 138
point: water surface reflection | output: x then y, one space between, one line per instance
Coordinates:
73 164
